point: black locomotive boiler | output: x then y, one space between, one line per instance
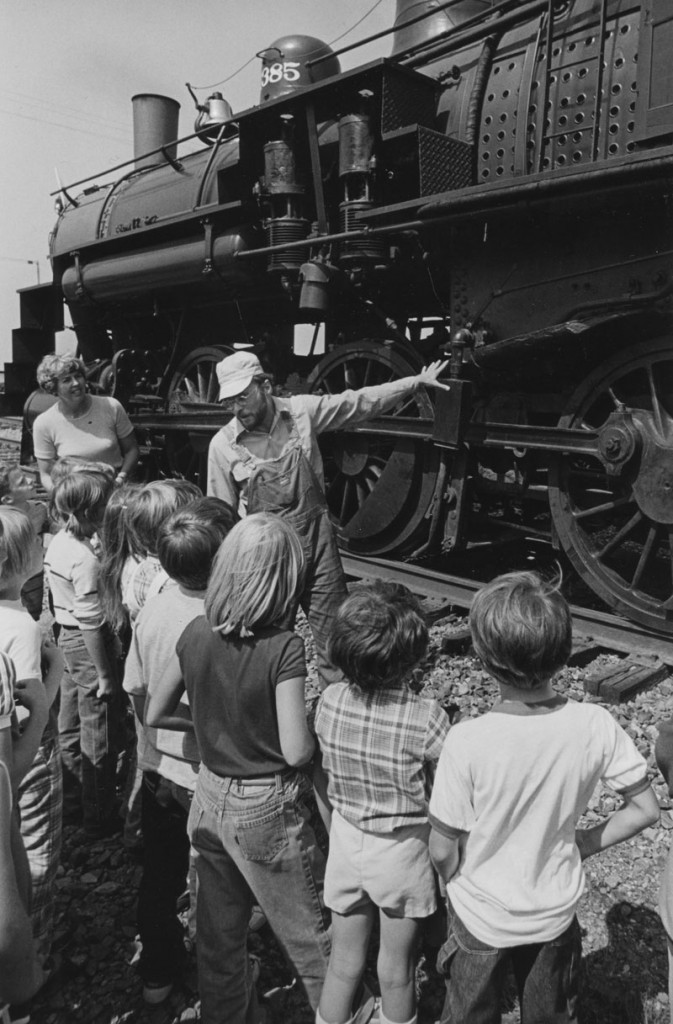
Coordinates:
499 190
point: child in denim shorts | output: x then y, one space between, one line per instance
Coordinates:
510 788
379 743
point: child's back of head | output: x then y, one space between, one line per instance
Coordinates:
18 545
150 505
189 540
521 629
79 500
256 577
379 635
74 464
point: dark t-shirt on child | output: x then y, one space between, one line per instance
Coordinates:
231 683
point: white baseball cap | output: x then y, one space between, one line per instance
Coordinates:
235 372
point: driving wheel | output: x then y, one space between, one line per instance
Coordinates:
614 513
378 488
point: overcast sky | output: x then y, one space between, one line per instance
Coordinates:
68 69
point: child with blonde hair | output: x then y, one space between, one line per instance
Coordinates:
245 673
380 743
90 696
40 791
131 571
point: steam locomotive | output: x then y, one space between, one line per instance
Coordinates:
498 191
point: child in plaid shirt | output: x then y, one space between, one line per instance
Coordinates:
379 742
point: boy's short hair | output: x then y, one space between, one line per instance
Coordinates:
379 635
79 499
17 540
190 538
521 629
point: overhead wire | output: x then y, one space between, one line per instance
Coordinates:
69 111
68 127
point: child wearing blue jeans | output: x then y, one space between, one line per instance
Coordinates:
509 790
187 543
245 674
379 743
90 709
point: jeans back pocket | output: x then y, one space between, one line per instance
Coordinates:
261 834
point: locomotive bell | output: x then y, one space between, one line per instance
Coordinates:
284 65
215 112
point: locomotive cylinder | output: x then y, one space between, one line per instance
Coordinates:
155 124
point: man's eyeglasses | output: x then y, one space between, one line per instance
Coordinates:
230 404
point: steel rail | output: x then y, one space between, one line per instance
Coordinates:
603 628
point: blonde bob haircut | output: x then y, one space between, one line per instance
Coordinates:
256 577
521 629
17 543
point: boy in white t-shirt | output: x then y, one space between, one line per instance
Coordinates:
509 790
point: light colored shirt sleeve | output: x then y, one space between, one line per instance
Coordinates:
44 445
7 683
134 680
624 766
86 604
24 647
331 412
451 802
122 424
221 481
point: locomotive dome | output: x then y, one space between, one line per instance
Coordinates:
285 65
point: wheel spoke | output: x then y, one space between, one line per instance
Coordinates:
607 506
644 556
626 529
213 386
347 493
334 486
656 406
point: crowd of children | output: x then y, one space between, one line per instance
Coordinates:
162 600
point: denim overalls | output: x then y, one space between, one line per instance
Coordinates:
289 487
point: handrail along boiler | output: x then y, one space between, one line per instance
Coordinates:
497 190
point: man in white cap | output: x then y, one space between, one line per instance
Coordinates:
266 458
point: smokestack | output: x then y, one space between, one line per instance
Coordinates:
436 22
155 123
